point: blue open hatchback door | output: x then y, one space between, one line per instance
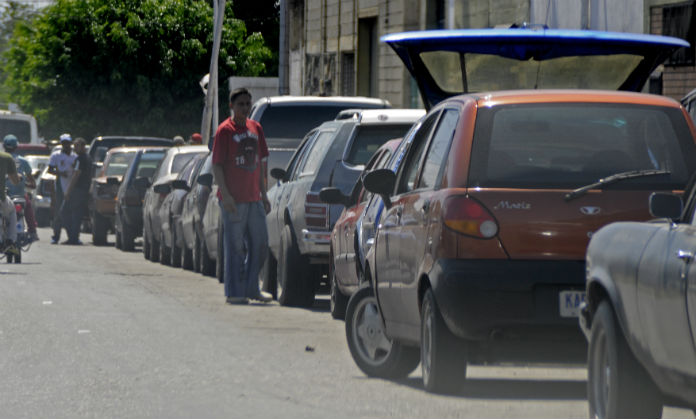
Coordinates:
450 62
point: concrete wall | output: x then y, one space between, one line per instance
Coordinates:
258 86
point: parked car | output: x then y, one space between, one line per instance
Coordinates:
640 312
42 197
175 159
208 246
101 144
192 215
103 191
286 119
345 267
171 236
128 222
479 253
299 224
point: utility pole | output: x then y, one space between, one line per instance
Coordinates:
210 111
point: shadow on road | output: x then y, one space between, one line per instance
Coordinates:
504 388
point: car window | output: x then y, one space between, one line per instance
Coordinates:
368 138
376 162
315 153
407 178
297 157
186 171
148 164
180 160
118 164
574 144
296 120
439 146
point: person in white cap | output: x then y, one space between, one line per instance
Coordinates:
61 165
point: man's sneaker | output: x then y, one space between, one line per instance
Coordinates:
54 240
237 300
263 297
33 236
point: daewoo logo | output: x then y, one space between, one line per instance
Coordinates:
513 205
590 210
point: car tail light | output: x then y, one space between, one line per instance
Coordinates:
316 211
467 216
18 208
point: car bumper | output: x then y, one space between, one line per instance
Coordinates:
517 300
105 207
316 244
41 202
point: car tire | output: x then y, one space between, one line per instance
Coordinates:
196 254
207 264
186 258
220 262
154 250
617 385
100 227
374 353
443 355
338 301
128 238
118 240
295 287
175 257
147 247
269 274
165 251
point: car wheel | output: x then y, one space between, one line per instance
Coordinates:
186 258
165 251
617 385
207 264
220 262
100 227
294 285
443 358
175 256
338 301
127 238
154 250
374 353
147 247
118 243
196 254
269 274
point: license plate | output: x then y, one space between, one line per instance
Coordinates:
569 303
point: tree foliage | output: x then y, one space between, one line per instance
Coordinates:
105 67
12 13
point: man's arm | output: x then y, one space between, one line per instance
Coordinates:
228 201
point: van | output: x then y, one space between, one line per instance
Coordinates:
22 125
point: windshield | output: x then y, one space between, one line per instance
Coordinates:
118 163
19 128
293 122
570 145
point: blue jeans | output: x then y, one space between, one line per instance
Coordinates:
74 209
250 220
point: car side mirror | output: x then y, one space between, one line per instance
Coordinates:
142 182
180 184
206 179
381 182
665 205
278 173
162 188
332 195
113 181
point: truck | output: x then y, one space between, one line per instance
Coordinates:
22 125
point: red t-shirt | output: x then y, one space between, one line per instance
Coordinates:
240 150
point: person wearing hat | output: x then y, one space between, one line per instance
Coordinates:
24 170
77 193
196 139
179 141
8 169
61 164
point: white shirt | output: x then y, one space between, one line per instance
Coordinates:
64 163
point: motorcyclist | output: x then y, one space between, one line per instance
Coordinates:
26 179
7 209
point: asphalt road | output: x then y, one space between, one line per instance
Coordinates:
95 332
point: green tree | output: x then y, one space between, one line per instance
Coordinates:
12 14
262 16
104 67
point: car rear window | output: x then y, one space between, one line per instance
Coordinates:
118 164
180 161
148 164
293 122
570 145
368 138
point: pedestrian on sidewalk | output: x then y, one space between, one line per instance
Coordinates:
61 164
240 157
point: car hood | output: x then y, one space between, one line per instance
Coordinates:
450 62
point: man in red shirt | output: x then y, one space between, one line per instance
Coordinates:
239 165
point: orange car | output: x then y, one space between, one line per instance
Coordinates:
479 255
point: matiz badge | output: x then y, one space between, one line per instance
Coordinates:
590 210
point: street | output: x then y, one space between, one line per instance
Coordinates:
91 331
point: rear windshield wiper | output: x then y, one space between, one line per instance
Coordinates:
601 183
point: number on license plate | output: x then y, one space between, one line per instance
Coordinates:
569 303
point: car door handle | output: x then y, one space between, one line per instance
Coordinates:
685 255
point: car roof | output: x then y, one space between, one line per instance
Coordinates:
321 100
513 97
381 116
473 49
127 138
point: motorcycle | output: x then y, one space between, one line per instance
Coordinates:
23 243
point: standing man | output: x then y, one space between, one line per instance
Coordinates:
61 165
7 209
239 166
77 194
27 179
